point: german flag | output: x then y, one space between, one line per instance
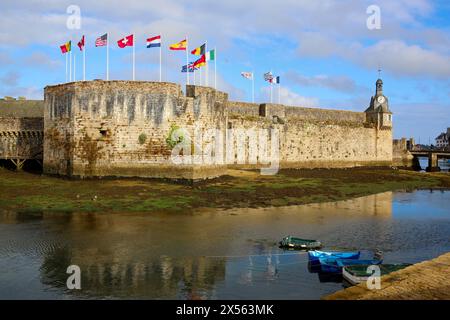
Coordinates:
182 45
199 51
200 62
67 47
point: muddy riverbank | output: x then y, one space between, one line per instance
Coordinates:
428 280
23 191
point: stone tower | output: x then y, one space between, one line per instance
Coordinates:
378 112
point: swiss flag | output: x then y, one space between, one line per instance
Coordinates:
126 42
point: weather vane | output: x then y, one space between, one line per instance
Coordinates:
379 72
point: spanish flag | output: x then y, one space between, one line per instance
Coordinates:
67 47
182 45
199 51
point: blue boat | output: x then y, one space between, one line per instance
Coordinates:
328 265
315 255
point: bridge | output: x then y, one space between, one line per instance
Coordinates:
21 131
433 157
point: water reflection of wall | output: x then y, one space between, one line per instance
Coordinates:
158 278
379 205
166 256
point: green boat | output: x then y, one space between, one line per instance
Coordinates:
358 273
290 242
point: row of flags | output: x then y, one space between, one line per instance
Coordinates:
152 42
268 76
155 42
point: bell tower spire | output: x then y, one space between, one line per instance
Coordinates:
379 88
378 111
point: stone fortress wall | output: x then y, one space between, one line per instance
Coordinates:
21 129
125 128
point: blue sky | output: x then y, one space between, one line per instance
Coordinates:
323 51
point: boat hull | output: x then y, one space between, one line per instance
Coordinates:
354 275
336 265
315 256
299 244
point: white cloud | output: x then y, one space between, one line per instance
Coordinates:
338 83
42 60
288 97
5 59
10 79
18 91
402 59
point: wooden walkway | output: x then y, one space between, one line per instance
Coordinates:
429 280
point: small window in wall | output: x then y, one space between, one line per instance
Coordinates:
390 118
230 125
104 133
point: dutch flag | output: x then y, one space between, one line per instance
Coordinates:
154 42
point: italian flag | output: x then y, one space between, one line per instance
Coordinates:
211 55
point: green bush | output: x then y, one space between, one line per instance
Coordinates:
142 138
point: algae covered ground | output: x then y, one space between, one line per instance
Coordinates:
29 192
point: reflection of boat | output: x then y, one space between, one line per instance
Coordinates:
290 242
358 273
328 265
315 255
330 277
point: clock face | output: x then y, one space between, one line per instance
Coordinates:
381 99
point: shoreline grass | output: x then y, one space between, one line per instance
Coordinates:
23 191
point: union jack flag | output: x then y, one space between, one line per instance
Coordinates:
268 76
191 68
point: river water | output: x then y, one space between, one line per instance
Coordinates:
212 254
444 164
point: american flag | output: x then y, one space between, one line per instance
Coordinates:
268 76
102 41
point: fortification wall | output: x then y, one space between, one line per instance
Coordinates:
21 138
21 129
401 157
315 138
121 128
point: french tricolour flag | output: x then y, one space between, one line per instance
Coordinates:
154 42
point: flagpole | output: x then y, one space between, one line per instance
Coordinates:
207 65
70 64
84 59
194 77
187 61
66 65
215 68
253 87
271 92
279 93
134 59
271 88
107 56
160 61
74 67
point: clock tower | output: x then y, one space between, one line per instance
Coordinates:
378 112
